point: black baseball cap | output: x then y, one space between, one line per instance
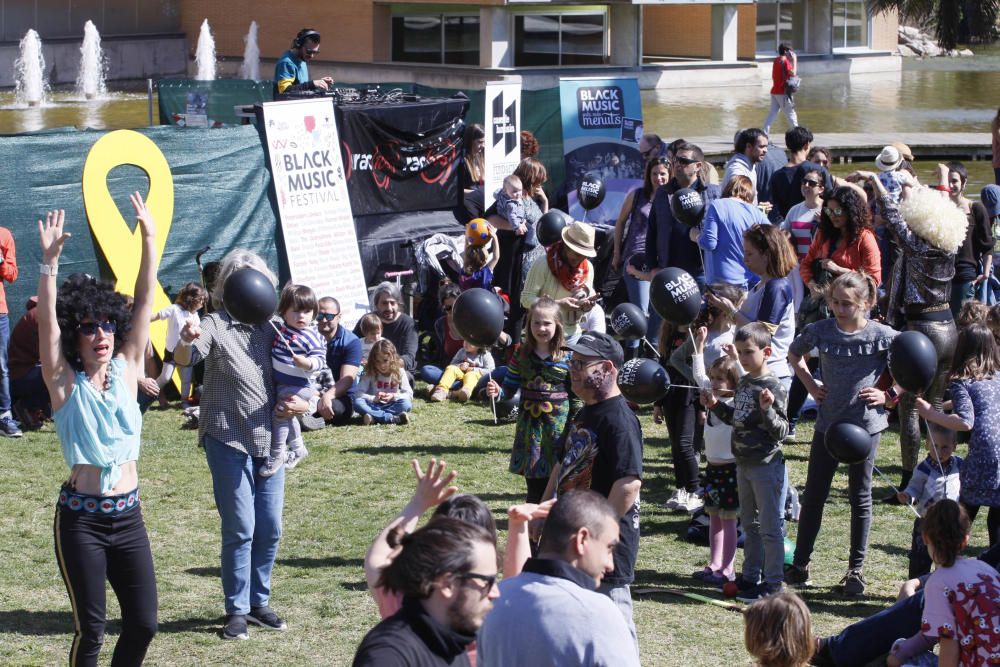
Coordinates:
595 344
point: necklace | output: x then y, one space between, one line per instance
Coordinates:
107 382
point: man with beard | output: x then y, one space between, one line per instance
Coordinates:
552 607
447 573
602 451
398 327
336 381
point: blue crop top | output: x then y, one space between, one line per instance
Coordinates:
100 428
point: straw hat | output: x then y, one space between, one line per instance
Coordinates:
889 159
579 237
904 150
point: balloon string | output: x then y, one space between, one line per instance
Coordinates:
894 488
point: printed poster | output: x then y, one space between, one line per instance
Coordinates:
503 134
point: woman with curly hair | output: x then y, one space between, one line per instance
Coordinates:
844 241
92 350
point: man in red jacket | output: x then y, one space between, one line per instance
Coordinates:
784 67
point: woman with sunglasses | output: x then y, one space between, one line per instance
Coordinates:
800 223
92 350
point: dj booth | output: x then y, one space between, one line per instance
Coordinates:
401 158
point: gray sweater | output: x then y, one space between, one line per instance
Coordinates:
849 363
757 434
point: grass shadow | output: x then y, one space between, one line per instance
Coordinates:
354 585
211 572
433 450
24 622
195 624
333 561
892 549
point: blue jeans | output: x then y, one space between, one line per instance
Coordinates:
762 515
4 373
869 638
250 507
638 293
382 413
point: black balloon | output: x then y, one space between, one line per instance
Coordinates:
688 206
628 321
590 192
913 361
643 381
675 296
848 443
478 316
249 296
549 227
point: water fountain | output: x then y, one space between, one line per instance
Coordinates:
90 80
30 86
250 68
204 55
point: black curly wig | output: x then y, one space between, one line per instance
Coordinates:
83 297
855 209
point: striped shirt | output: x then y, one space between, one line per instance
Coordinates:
800 222
237 398
306 342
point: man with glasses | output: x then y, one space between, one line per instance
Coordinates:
336 381
291 72
447 574
650 146
552 607
602 452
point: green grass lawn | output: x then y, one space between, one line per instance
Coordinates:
353 482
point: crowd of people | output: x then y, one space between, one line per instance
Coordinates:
806 279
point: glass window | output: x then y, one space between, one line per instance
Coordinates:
850 24
542 40
767 28
780 22
436 38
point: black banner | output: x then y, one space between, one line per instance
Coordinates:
393 169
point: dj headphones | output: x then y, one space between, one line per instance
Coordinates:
304 34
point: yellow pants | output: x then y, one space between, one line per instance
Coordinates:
469 378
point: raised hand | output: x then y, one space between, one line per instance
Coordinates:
143 215
190 332
52 236
766 399
433 486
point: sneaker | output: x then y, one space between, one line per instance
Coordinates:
701 574
680 495
272 465
790 438
235 627
9 427
693 503
713 579
797 575
460 395
312 423
295 456
403 418
367 420
266 618
438 394
853 583
759 592
743 584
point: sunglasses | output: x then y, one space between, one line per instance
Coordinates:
811 183
327 317
312 52
833 211
685 160
90 328
490 580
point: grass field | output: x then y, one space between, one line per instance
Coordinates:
354 480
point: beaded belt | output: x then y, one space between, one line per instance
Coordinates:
79 502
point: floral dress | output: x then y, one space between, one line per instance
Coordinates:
546 403
975 402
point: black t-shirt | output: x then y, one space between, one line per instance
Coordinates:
786 185
602 445
411 638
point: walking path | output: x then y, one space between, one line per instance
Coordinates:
864 146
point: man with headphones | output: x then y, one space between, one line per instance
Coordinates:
291 73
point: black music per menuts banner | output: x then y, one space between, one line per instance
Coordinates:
402 157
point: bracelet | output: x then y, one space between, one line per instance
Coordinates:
48 269
942 188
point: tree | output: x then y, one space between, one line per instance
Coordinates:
954 20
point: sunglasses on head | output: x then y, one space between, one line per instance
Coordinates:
90 328
327 317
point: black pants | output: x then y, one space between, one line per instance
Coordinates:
992 521
797 393
680 415
92 548
536 488
343 410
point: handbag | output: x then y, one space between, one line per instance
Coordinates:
792 84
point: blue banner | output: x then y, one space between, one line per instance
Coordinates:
602 122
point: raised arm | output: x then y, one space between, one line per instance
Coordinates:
56 372
134 348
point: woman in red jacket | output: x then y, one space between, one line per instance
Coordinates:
844 240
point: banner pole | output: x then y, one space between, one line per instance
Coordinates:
149 100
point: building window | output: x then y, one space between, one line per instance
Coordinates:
850 24
436 38
781 21
565 38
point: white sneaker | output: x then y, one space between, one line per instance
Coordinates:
295 456
272 465
680 496
693 504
